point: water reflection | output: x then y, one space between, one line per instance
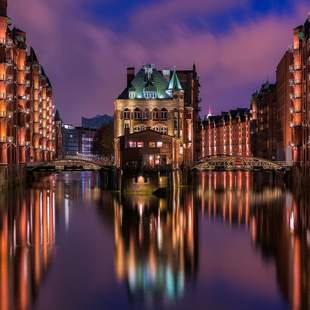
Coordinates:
157 240
235 237
27 238
156 246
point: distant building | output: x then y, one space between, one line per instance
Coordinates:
161 109
59 136
78 140
227 134
71 136
97 122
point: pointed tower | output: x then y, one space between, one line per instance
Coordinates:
174 84
3 8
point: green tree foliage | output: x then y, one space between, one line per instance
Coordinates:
103 144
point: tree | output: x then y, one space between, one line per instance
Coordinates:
103 143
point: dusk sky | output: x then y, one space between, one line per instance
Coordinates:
86 45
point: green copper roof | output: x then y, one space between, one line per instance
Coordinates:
150 83
175 82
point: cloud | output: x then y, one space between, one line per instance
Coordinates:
86 61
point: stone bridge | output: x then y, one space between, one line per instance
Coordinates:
237 163
71 163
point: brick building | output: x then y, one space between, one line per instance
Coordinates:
263 124
283 108
226 134
165 102
300 96
26 100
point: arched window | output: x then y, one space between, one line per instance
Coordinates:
164 130
156 114
137 114
126 114
146 114
164 114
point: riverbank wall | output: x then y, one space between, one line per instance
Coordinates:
12 176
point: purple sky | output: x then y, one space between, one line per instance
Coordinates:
86 45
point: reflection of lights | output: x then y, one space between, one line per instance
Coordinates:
140 209
292 223
67 213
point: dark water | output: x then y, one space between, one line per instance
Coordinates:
234 242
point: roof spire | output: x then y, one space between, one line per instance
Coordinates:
174 83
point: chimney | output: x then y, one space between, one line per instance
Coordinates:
130 75
3 8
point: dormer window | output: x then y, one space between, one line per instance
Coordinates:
150 95
132 95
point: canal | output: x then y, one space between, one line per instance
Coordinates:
237 240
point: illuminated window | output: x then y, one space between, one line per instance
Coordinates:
140 144
155 113
164 130
164 114
132 144
137 113
152 144
132 95
159 144
126 114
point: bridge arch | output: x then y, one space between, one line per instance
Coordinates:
72 162
236 163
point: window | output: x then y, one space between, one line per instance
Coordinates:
139 128
159 144
164 114
175 123
140 144
132 95
137 113
155 114
132 144
152 144
164 130
150 94
126 114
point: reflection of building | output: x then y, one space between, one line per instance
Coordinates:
26 104
78 140
165 102
283 233
27 238
156 247
279 227
227 134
